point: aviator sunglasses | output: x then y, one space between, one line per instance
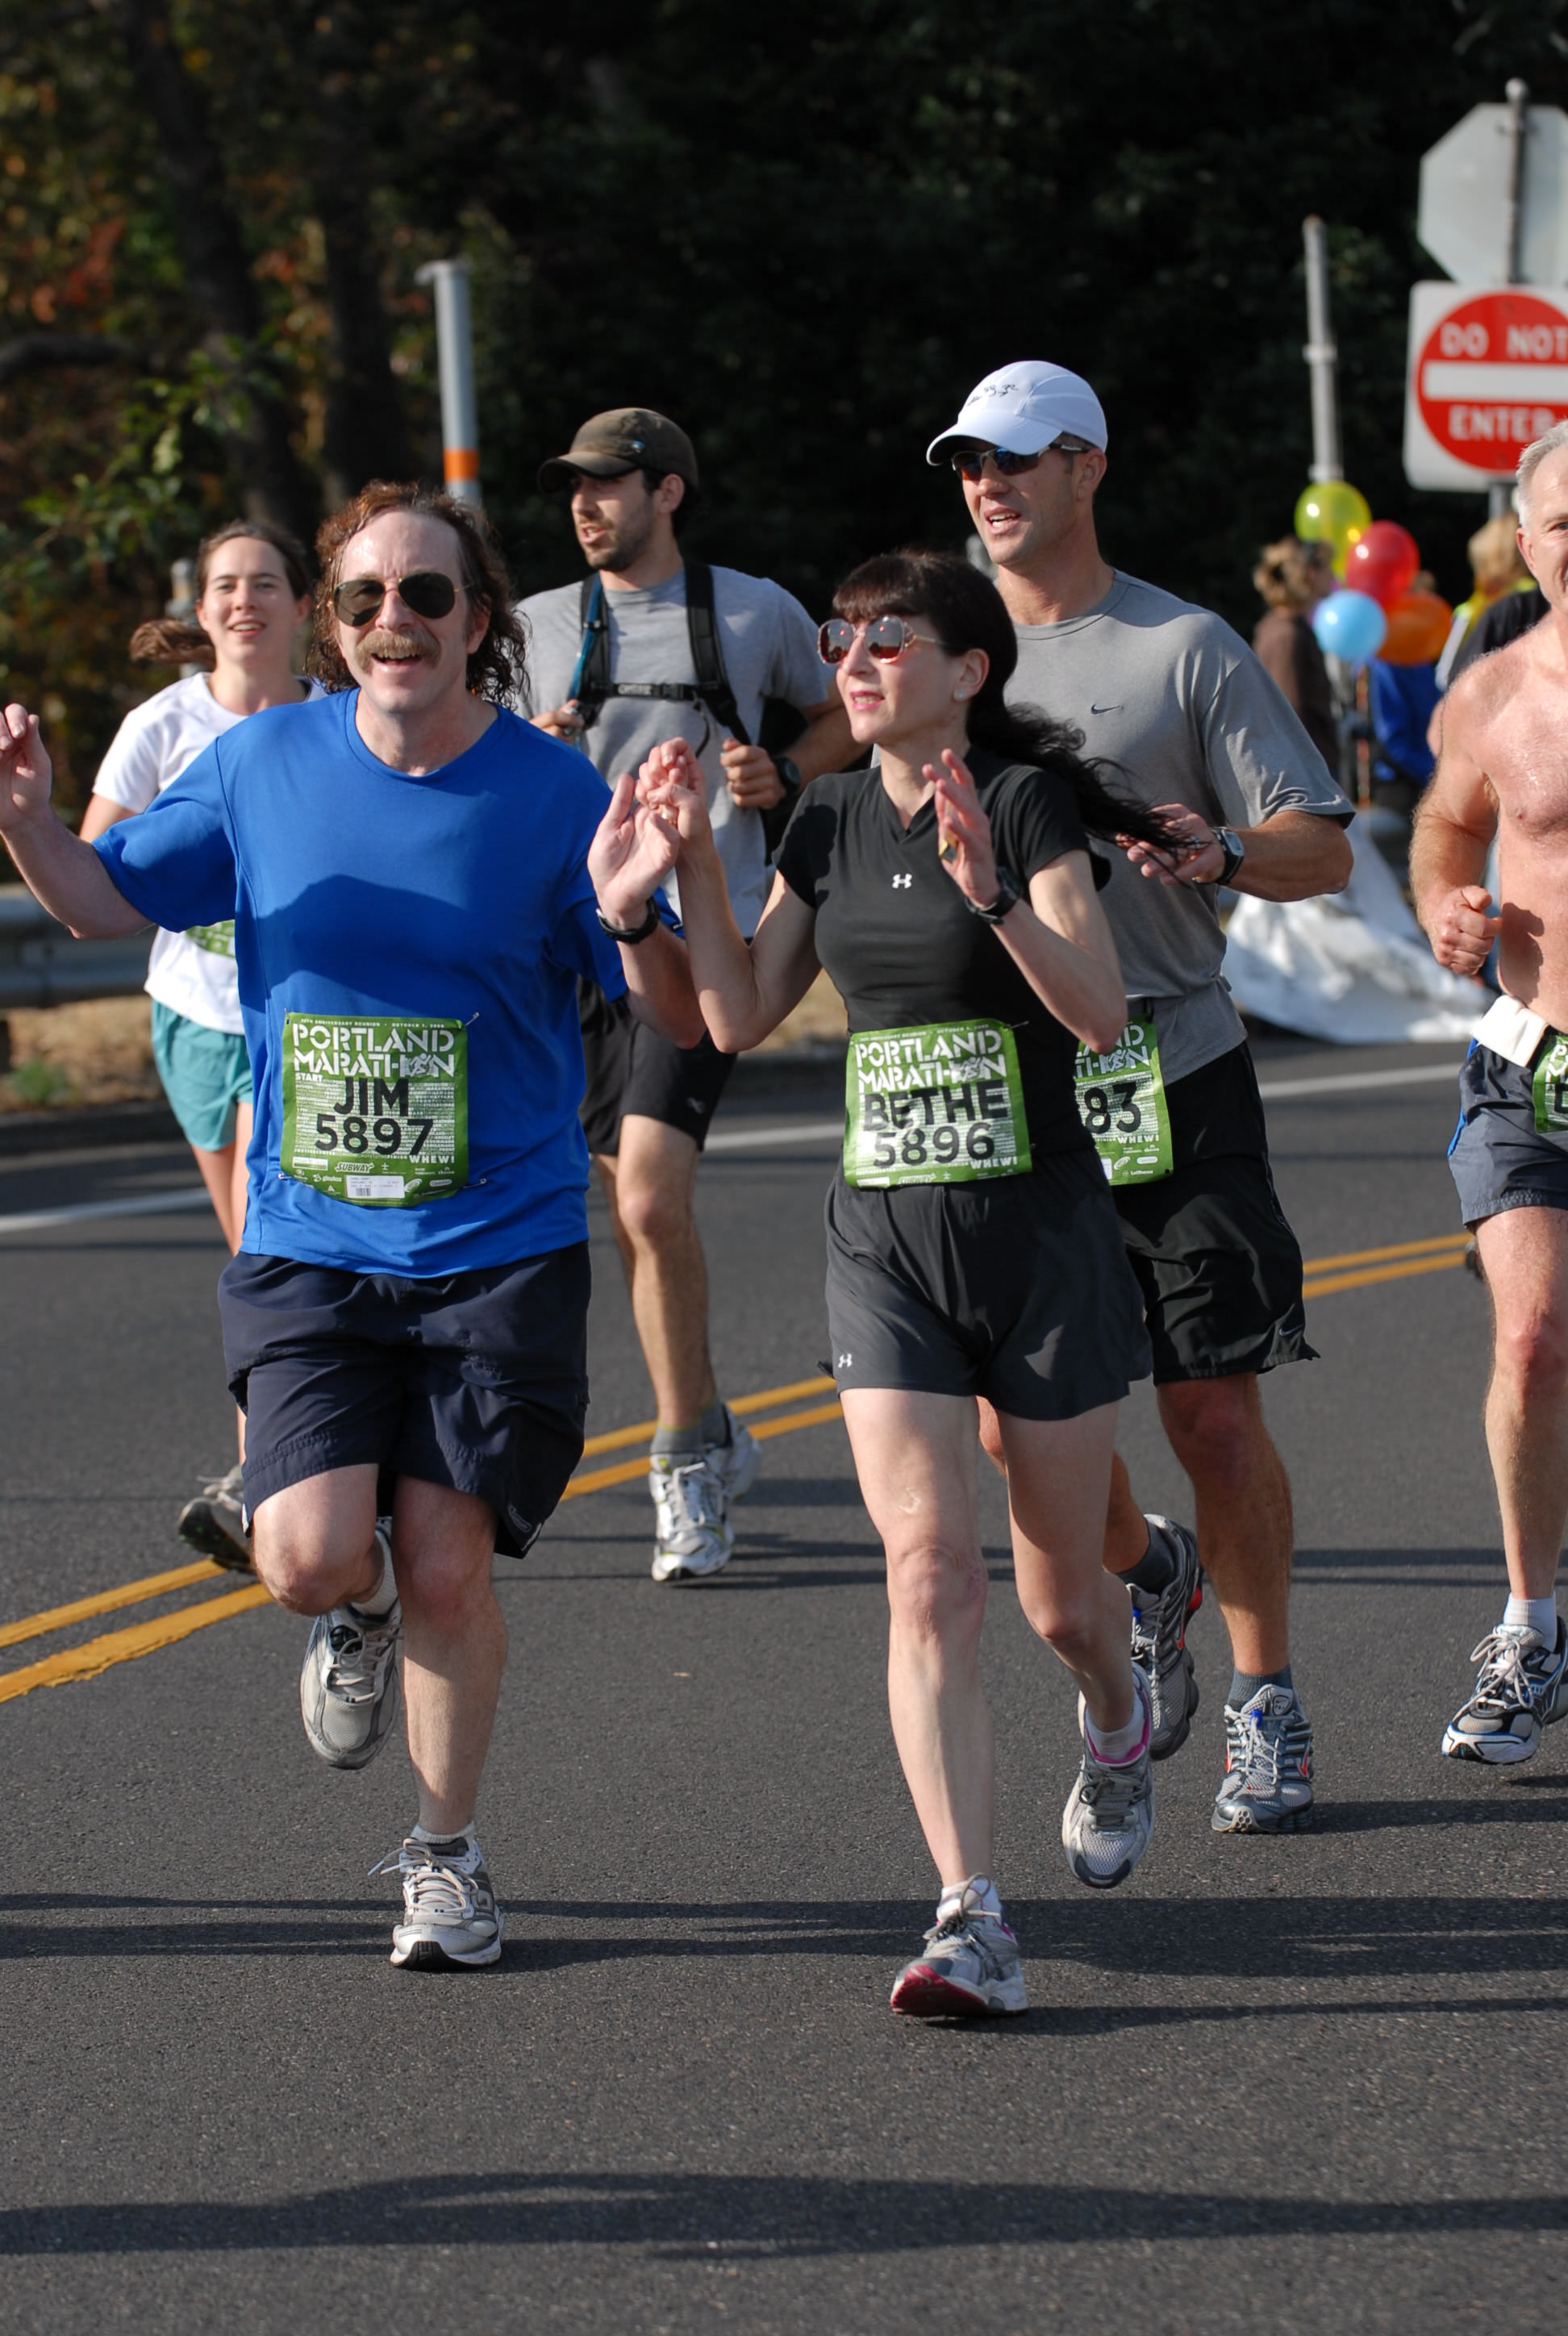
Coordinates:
969 461
427 592
886 637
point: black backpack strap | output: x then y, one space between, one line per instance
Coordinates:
591 675
707 652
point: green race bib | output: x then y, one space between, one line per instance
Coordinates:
940 1105
1122 1102
376 1108
1549 1088
218 941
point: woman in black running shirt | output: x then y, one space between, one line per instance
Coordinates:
972 1246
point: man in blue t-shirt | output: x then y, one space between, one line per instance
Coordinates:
408 870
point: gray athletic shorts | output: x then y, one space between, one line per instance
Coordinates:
1016 1288
1496 1158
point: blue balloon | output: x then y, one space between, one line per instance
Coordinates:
1349 625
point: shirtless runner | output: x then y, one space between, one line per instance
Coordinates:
1503 775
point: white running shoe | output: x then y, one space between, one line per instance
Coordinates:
348 1680
1110 1813
450 1921
970 1965
736 1462
1521 1688
692 1532
215 1523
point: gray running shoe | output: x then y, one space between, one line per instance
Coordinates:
970 1965
348 1681
1110 1813
692 1532
1268 1785
450 1921
1520 1690
215 1523
737 1461
1160 1640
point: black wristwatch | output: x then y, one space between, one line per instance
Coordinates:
629 934
1007 900
1234 850
789 776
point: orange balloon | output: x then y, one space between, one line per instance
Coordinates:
1419 626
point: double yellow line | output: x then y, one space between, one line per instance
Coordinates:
1325 1276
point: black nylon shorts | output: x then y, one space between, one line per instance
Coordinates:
630 1067
1218 1264
477 1380
1015 1287
1497 1159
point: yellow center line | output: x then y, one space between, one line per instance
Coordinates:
618 1437
626 1471
128 1593
125 1646
1333 1281
1315 1265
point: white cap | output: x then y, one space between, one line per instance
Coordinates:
1023 408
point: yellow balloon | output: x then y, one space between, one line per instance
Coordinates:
1333 511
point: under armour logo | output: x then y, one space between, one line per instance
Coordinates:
905 880
843 1362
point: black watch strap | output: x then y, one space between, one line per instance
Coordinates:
1007 900
789 774
630 934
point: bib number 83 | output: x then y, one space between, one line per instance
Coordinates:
1114 1105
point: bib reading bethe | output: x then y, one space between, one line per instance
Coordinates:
1549 1087
218 941
376 1107
942 1104
1122 1102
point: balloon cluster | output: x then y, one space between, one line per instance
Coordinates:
1375 613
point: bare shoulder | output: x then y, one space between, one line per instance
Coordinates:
1486 688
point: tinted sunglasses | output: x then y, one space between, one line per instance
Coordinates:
886 637
969 461
427 592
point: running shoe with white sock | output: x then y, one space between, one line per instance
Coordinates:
970 1965
1520 1688
1160 1620
692 1531
215 1523
735 1463
1268 1785
1110 1813
349 1679
450 1921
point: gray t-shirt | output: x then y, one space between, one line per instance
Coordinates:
770 650
1178 710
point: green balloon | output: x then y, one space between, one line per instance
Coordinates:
1333 511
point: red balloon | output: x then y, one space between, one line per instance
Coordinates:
1382 561
1419 626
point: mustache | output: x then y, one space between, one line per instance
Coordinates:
383 641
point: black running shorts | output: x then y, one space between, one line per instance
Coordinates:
1218 1265
1497 1159
631 1068
474 1380
1014 1287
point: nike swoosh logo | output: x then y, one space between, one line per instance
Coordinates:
1107 709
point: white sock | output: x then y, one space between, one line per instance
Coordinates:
980 1892
379 1603
1538 1614
463 1833
1114 1747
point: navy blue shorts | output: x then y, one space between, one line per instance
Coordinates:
474 1380
1496 1159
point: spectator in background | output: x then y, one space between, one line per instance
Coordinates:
1402 700
1292 576
1500 576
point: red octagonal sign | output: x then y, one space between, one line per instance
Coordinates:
1492 375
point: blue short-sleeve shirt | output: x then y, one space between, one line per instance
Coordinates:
366 897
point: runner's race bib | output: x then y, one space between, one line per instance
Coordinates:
1549 1088
376 1108
1122 1102
941 1105
218 941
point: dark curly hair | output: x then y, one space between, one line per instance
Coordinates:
495 668
968 613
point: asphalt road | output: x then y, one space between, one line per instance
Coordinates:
1311 2083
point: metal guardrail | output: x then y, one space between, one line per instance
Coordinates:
40 965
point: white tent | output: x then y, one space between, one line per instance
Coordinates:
1353 967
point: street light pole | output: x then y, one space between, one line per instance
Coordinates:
454 352
1321 355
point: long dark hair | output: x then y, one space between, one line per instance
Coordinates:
171 640
497 666
968 613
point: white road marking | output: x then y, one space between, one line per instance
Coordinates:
141 1204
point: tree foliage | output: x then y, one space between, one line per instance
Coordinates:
803 233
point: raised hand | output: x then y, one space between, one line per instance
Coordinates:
671 782
26 769
966 853
633 851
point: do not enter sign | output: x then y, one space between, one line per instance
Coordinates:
1489 373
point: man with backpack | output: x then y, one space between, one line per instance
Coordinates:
649 646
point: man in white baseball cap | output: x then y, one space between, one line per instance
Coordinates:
1185 719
